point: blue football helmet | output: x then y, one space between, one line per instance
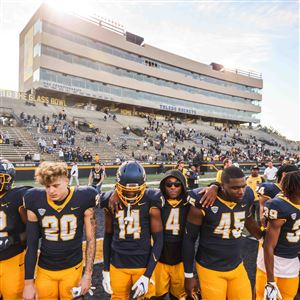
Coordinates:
131 182
7 174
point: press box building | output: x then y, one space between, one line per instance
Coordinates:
95 61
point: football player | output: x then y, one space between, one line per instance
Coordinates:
129 258
227 162
169 273
97 176
218 260
253 181
278 270
12 233
58 213
269 190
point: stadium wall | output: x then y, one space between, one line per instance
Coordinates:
25 171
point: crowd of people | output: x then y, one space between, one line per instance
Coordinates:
160 141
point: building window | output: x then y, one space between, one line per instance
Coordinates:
37 27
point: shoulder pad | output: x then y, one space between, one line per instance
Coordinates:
194 197
275 209
104 199
268 189
155 197
87 196
31 195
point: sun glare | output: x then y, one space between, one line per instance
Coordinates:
71 6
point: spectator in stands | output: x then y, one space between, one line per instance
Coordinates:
270 172
18 143
28 157
97 158
226 163
54 143
36 157
74 174
6 137
145 145
118 161
61 154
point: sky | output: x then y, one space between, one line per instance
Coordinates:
262 36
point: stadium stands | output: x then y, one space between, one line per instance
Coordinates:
116 137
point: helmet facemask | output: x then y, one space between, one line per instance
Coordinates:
131 194
5 180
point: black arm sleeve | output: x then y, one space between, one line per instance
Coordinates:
33 234
188 246
107 250
155 252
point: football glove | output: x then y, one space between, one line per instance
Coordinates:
76 291
106 282
6 242
272 291
141 286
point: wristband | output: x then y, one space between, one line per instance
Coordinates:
188 275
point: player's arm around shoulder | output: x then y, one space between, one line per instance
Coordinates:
32 229
90 231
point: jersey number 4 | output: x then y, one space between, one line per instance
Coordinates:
66 231
173 221
224 226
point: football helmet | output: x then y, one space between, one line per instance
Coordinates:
131 182
7 174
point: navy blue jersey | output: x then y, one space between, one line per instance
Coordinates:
288 244
131 242
61 226
11 223
220 233
174 214
268 189
192 178
97 175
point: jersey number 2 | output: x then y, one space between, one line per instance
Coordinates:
3 223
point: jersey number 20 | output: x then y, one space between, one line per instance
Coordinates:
66 231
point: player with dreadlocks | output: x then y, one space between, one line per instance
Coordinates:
279 274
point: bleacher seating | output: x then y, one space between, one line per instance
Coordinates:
112 141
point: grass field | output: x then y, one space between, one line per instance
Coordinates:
152 180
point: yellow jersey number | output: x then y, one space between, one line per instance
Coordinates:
224 226
3 224
129 225
173 221
64 228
